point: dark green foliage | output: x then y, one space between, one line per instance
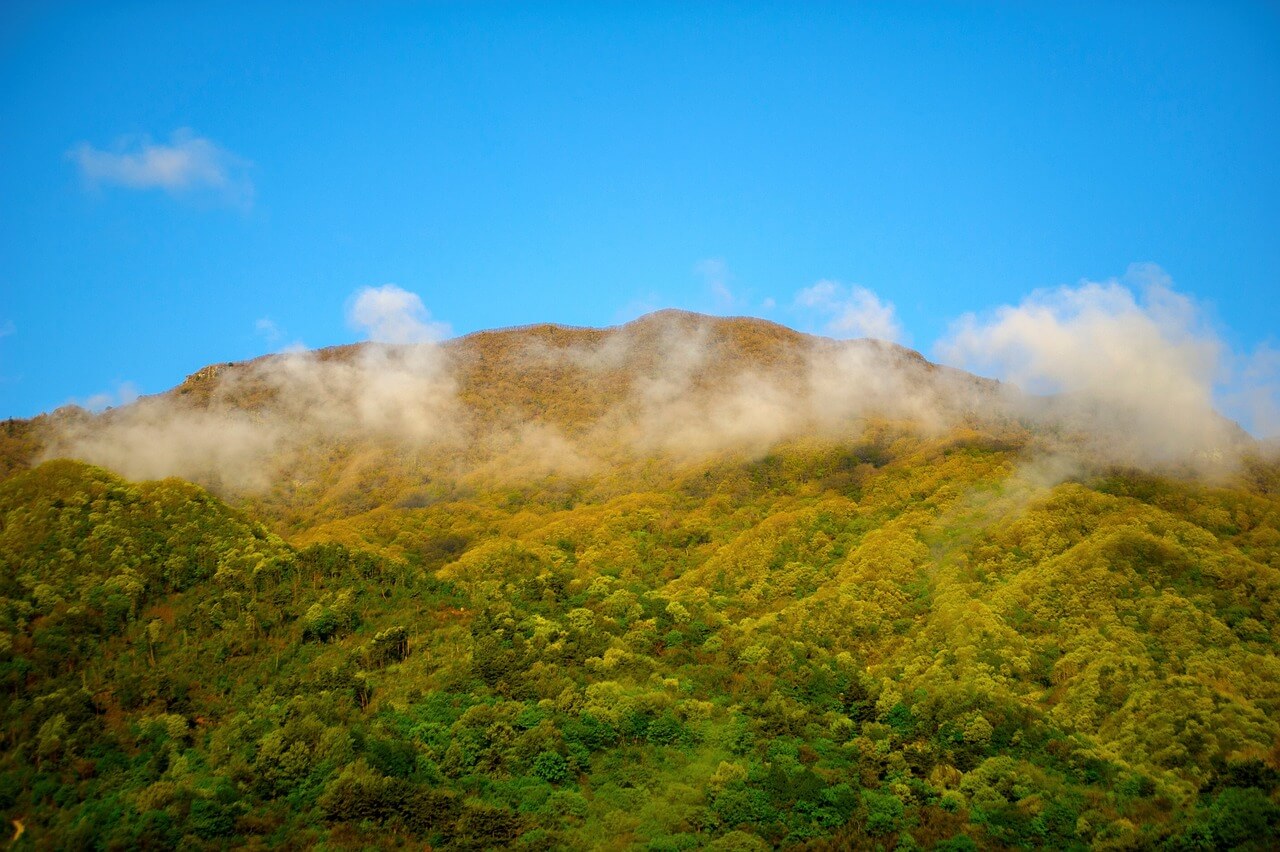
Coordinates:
884 811
551 767
738 806
394 757
589 732
488 827
389 646
209 819
665 730
1236 819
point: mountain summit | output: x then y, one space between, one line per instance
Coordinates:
352 427
517 403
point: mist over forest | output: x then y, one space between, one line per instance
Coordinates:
1119 377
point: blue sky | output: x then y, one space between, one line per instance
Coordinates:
188 184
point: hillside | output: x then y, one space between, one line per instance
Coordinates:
318 435
688 583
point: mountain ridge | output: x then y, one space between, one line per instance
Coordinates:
529 388
553 400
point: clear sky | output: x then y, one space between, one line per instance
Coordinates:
182 184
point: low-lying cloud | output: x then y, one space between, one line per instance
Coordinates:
1252 391
1097 338
1129 361
1123 371
123 394
242 427
682 385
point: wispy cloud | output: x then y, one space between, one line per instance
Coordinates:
715 272
854 311
123 394
1252 393
268 330
400 396
7 328
645 303
187 164
391 314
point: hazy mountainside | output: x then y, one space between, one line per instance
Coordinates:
307 435
345 429
573 377
687 583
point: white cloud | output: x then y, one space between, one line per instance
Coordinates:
187 164
396 396
715 272
646 303
822 294
7 328
855 311
124 393
1098 337
1253 392
390 314
268 330
1131 357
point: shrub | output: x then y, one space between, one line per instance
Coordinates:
551 767
883 811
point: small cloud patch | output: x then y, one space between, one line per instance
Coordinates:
123 394
391 314
268 330
853 311
187 164
715 272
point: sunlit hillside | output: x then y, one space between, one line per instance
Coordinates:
685 583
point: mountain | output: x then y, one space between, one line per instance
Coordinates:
341 430
684 583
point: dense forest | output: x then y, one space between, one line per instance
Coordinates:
892 638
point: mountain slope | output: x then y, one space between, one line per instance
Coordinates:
860 643
670 586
